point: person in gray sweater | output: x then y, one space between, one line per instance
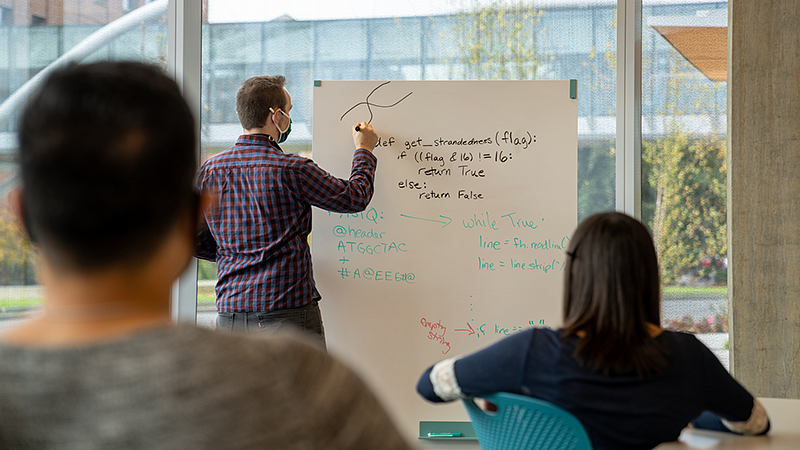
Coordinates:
107 154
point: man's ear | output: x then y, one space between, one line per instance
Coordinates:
17 201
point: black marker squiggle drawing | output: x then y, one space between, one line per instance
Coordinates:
371 105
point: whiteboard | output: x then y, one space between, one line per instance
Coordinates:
464 240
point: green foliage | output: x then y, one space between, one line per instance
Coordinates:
695 291
684 198
696 224
687 178
19 302
17 255
206 270
498 41
596 183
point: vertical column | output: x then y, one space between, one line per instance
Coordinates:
629 107
764 195
183 63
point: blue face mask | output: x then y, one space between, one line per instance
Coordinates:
284 133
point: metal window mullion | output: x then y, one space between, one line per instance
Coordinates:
629 107
183 64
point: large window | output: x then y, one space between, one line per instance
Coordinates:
434 40
684 173
683 100
32 38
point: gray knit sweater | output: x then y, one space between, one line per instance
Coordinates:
184 387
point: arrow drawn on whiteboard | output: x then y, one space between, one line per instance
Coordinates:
371 105
431 220
471 331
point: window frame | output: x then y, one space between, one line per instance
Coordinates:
184 63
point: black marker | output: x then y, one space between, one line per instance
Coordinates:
358 128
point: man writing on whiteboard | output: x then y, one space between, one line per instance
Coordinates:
257 230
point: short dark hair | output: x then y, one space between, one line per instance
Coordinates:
107 156
256 96
612 290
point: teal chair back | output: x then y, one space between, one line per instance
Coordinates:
525 423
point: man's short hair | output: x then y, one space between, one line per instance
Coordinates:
107 155
256 96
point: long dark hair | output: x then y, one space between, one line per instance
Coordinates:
611 292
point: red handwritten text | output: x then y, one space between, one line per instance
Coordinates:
436 333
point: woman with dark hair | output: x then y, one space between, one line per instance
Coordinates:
632 384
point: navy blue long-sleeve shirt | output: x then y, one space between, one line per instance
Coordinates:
618 412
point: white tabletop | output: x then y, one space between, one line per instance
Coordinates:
784 416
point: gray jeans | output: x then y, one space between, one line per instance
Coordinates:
306 318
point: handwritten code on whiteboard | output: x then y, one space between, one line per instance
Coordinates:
464 240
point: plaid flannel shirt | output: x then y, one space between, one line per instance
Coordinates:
258 231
